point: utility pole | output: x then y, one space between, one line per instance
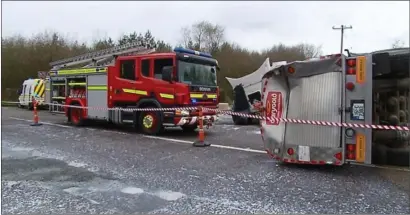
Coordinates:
342 29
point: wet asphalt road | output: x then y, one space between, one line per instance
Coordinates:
56 168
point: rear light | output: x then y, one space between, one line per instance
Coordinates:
351 71
350 86
290 151
338 155
351 62
291 70
350 151
350 156
351 67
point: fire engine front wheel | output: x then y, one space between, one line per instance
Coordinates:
76 116
150 123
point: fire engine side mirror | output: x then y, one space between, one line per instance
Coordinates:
167 73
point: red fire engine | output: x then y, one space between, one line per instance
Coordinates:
132 76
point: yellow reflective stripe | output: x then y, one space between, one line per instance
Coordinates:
138 92
166 96
42 89
58 84
201 95
36 86
79 71
196 95
77 84
58 97
48 89
96 87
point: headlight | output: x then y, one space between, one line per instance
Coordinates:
185 113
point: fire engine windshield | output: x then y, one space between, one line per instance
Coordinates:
196 74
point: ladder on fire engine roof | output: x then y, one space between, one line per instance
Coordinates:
102 57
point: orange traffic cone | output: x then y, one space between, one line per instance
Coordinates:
201 135
35 120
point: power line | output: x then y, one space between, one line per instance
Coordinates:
342 29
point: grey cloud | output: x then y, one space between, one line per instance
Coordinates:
254 25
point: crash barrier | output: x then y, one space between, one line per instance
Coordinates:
254 116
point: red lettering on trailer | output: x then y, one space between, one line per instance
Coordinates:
273 107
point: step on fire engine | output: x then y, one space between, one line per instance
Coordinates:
133 76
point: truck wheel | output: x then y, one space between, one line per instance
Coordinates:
189 128
150 122
76 116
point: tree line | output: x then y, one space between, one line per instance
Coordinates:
23 57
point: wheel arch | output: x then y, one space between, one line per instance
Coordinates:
74 102
149 102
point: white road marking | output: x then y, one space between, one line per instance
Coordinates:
213 145
45 123
156 137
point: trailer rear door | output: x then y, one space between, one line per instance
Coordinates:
312 90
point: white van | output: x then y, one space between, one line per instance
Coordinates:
32 88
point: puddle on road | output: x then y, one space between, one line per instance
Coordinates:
169 195
72 178
132 190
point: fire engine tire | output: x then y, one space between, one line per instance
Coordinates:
150 122
76 116
189 128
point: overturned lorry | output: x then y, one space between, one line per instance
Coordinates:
370 88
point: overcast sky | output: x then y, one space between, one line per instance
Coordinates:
255 25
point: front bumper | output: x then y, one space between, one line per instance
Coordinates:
194 120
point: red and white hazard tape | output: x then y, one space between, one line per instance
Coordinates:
314 122
116 108
297 121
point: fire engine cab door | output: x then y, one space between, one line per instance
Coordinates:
128 86
164 91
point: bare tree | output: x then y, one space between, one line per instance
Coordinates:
203 36
397 44
186 40
214 37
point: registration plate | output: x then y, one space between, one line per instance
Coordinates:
304 153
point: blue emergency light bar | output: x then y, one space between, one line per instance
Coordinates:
189 51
